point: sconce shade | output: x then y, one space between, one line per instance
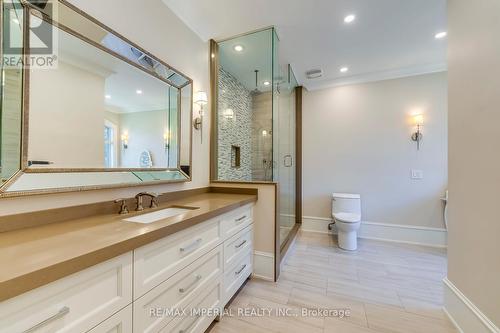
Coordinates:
201 98
418 119
124 138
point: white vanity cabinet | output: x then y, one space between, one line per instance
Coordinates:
75 303
156 262
120 322
200 268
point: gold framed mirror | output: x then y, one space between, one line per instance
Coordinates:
91 110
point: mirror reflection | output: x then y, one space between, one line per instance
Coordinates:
96 111
108 114
11 98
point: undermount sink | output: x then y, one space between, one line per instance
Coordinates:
160 214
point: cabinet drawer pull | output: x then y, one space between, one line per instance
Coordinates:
241 218
185 330
241 244
63 311
191 246
191 285
240 270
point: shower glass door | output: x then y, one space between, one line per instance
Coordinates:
285 166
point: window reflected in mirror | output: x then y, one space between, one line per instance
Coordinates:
11 97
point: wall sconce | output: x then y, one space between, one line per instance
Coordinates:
228 114
418 120
166 139
124 138
200 99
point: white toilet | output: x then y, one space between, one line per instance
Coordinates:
346 213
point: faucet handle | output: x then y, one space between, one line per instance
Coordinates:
123 206
154 202
148 194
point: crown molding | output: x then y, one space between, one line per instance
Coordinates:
391 74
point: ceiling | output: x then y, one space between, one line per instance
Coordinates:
256 55
388 38
121 80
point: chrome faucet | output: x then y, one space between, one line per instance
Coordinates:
154 200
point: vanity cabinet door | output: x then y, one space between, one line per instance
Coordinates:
177 292
195 321
76 303
237 246
235 276
235 221
120 322
158 261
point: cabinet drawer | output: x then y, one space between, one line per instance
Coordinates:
156 262
120 322
177 292
75 303
236 275
233 222
199 314
237 246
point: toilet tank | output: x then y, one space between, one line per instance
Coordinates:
346 203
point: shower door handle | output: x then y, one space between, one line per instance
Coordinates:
288 161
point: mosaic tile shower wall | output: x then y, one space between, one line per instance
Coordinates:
235 131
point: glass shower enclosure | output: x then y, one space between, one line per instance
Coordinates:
255 118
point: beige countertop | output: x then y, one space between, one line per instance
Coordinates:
32 257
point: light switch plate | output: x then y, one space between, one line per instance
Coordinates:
417 174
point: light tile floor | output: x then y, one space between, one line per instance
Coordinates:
387 287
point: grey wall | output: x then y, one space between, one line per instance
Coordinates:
236 131
474 81
145 130
357 139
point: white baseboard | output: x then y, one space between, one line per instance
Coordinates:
463 313
263 265
435 237
287 220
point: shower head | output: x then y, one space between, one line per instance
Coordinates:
256 90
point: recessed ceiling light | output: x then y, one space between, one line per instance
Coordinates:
138 92
107 96
238 48
344 69
266 83
441 35
349 18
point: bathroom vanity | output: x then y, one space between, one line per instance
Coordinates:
104 274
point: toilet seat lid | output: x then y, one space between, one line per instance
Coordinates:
347 217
